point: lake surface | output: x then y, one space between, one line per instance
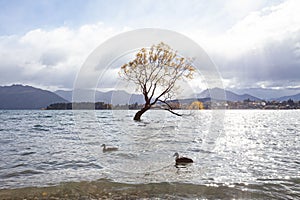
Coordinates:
237 153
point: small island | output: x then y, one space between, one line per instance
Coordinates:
80 106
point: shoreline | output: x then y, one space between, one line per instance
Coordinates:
104 189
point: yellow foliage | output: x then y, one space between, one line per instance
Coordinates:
158 65
196 105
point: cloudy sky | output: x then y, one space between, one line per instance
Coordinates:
254 43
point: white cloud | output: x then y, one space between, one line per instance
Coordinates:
262 47
49 57
275 23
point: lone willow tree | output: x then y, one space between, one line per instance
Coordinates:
155 72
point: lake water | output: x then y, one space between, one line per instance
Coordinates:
237 154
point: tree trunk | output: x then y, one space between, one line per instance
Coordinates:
138 115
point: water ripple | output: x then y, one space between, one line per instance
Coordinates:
254 151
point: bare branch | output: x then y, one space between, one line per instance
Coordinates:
170 109
165 103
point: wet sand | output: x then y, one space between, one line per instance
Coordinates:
112 190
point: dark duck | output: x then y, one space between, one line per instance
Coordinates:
108 149
182 160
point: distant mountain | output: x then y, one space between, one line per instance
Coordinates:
219 94
67 95
266 93
27 97
295 97
111 97
122 97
